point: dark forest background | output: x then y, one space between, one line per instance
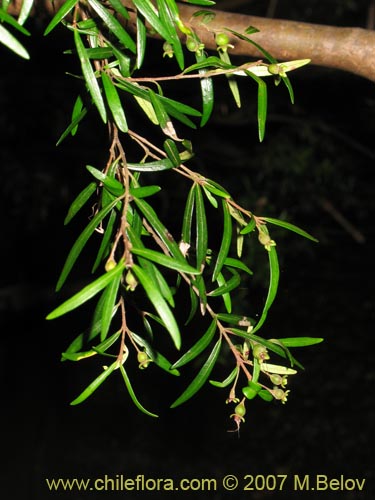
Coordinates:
315 165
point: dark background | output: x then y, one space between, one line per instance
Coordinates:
319 150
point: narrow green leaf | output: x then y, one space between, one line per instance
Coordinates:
265 395
110 295
216 189
228 286
89 76
80 201
25 11
81 242
201 377
210 197
132 394
94 384
120 8
201 228
225 296
172 152
300 341
207 90
225 241
144 191
198 347
77 109
236 319
159 303
262 104
113 185
164 288
114 103
188 217
201 2
113 25
193 305
272 288
87 292
151 166
72 126
290 227
7 18
238 264
141 41
224 56
7 39
165 260
150 13
65 8
100 348
249 227
159 227
200 286
233 374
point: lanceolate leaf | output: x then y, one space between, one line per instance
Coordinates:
167 19
165 260
156 357
226 381
188 217
12 43
228 286
80 201
201 378
81 242
225 240
151 166
230 262
262 104
132 394
72 127
113 25
272 288
61 13
90 77
25 11
114 103
146 8
159 303
159 227
290 227
87 292
300 341
201 228
198 347
110 296
207 90
94 384
141 41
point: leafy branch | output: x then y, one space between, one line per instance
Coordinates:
144 268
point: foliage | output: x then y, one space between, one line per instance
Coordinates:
143 270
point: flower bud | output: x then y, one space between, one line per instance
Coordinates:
143 360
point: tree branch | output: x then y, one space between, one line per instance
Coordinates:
348 49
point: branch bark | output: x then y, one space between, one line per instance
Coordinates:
347 49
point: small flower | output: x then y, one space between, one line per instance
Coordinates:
143 360
260 352
280 394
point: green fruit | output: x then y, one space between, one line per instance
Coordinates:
109 265
240 410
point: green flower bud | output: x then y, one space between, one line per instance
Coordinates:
260 352
110 264
143 360
221 39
